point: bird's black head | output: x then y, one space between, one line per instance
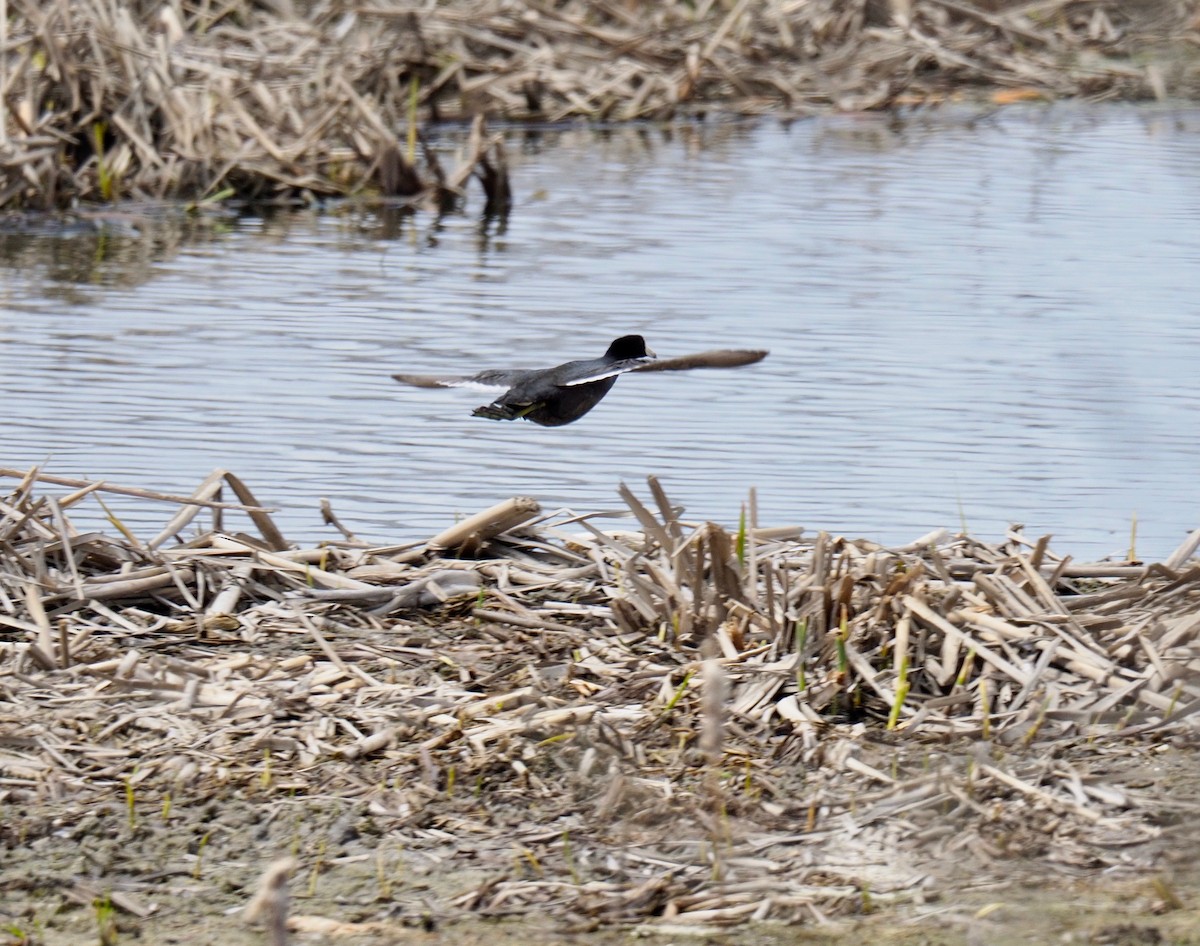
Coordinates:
628 346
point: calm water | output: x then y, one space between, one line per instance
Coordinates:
982 321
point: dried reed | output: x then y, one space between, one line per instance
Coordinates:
858 714
107 99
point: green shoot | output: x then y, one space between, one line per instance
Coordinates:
1174 699
130 807
200 855
381 875
117 523
1031 734
740 546
197 205
103 169
801 641
840 642
265 778
964 673
687 678
106 920
569 857
901 694
316 869
528 857
1166 893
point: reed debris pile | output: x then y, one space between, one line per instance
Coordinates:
112 100
108 100
669 720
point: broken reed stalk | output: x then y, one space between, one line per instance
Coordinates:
474 532
283 102
270 902
318 669
88 486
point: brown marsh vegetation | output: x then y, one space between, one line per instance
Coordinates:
665 723
294 99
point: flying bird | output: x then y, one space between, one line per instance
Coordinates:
556 396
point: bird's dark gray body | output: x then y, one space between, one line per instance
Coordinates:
552 397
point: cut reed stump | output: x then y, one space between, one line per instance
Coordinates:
662 720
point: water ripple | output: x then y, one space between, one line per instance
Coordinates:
969 321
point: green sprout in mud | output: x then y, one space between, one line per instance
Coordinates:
316 869
17 936
526 856
200 855
381 874
569 856
106 921
130 805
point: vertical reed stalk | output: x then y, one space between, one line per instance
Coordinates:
3 66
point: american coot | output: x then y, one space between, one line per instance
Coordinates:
552 397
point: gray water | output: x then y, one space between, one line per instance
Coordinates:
971 321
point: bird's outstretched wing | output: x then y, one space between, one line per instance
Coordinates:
718 358
494 380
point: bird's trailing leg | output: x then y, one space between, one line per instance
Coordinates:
503 411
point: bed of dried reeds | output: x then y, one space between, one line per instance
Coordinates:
669 720
108 100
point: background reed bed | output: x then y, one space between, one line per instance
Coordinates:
666 723
285 101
